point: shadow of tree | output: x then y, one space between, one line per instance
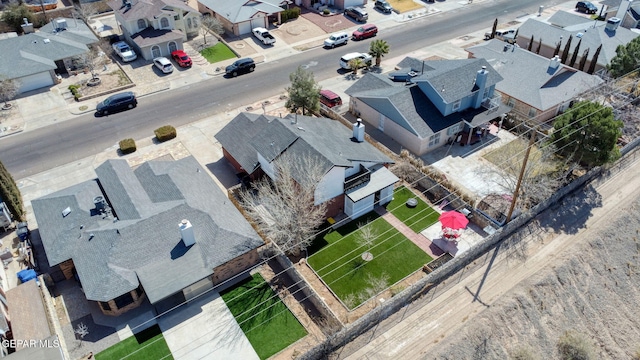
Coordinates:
570 215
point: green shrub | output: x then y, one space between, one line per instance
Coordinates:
288 14
165 133
127 146
574 346
326 11
75 91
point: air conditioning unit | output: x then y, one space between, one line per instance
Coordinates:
612 24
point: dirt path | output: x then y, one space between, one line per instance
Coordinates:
444 312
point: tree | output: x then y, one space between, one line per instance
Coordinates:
355 64
530 43
575 53
10 194
85 11
494 28
378 49
14 14
284 208
91 60
583 60
304 92
587 134
626 60
211 25
367 236
9 88
539 46
565 52
594 60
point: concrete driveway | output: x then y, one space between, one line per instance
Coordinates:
205 329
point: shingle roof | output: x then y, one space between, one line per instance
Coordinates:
237 11
113 258
151 36
591 37
528 77
28 315
147 9
76 30
325 139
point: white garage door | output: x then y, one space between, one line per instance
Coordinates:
35 81
259 22
244 28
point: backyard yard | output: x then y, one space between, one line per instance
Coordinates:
147 344
263 317
356 272
417 218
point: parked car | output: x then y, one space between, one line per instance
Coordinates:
586 7
365 31
329 98
356 14
241 66
503 35
340 38
163 64
181 58
344 61
383 6
117 102
263 35
124 51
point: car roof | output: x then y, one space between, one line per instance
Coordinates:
368 26
329 94
244 60
162 60
122 95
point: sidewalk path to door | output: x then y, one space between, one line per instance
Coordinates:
422 242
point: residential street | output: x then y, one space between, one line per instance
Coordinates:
486 285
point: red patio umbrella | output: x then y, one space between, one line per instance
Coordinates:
453 220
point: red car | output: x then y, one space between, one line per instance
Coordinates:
365 31
181 58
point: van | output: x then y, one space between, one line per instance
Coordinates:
329 98
336 39
344 61
365 31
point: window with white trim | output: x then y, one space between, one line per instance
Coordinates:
434 139
511 102
456 105
164 23
141 24
454 129
533 112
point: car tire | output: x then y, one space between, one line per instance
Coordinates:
105 112
252 68
234 74
333 46
130 106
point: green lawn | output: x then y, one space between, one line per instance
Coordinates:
218 52
264 318
337 258
417 218
147 344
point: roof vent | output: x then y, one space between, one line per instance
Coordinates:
66 212
46 41
186 231
612 24
99 202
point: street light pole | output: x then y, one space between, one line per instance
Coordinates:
532 137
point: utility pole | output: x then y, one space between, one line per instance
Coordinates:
44 13
532 138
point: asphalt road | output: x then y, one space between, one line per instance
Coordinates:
35 151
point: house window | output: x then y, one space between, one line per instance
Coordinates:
195 22
123 300
172 47
454 129
176 17
189 24
532 112
456 105
164 23
511 102
141 24
434 139
105 306
155 51
139 292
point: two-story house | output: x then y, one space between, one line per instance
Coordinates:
356 178
441 101
155 28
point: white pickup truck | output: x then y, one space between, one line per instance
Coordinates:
124 51
263 35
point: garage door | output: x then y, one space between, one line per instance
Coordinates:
259 22
35 81
244 28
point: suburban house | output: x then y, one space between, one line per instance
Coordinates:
356 177
155 28
239 17
162 232
338 4
625 10
588 34
35 58
440 102
534 86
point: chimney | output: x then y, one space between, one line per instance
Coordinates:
554 63
358 131
61 24
27 27
186 231
481 83
612 24
623 8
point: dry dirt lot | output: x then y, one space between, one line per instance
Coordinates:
577 268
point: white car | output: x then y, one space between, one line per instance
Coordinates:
344 61
124 51
163 64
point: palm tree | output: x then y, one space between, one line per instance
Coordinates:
355 64
378 48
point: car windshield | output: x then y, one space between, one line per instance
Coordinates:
360 29
184 57
332 37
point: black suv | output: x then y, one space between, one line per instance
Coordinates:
586 7
241 66
383 6
357 14
117 102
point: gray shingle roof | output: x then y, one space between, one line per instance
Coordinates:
147 9
528 77
591 37
151 36
146 249
325 139
237 11
76 31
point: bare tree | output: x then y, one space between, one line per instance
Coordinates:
284 207
9 88
211 25
85 11
81 331
92 59
366 238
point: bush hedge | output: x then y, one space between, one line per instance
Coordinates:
127 146
75 90
165 133
289 14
